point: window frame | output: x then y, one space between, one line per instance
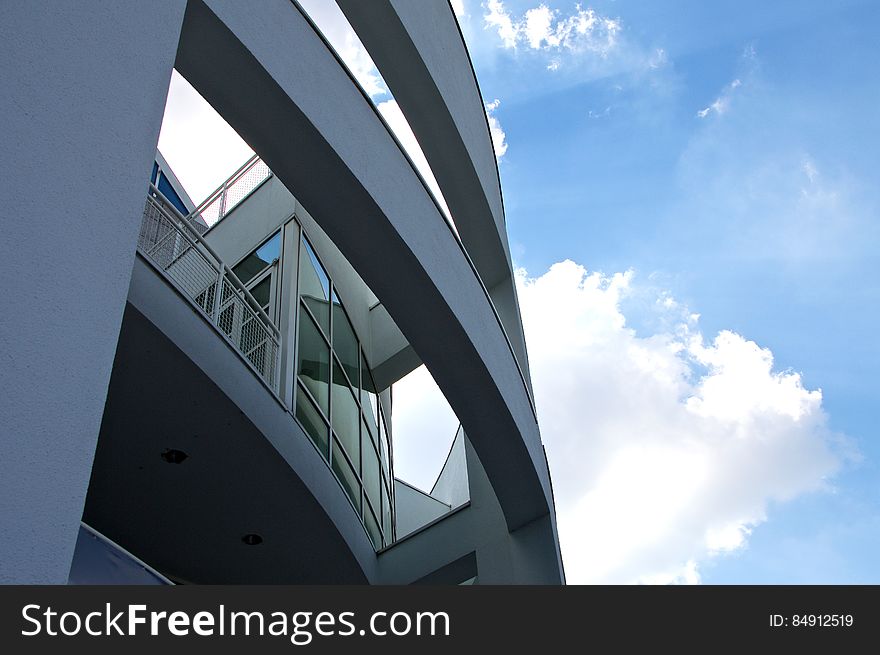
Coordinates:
305 248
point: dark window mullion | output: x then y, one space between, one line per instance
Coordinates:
356 388
330 372
354 395
313 400
368 507
348 459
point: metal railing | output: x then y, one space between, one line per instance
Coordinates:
229 194
171 243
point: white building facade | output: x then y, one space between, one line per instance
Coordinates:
205 393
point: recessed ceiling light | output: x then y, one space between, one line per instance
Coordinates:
173 456
252 539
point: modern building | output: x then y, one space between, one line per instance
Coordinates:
204 394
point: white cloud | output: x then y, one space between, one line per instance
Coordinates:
722 102
667 449
458 8
658 60
538 27
498 18
769 199
543 28
499 138
809 169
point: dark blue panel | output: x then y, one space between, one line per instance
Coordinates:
168 191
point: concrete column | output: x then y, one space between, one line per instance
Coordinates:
84 87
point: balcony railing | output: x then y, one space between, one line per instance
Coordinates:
229 194
171 243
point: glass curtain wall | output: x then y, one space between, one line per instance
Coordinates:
337 401
259 274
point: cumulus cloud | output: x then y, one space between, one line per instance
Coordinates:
498 18
499 138
666 449
543 28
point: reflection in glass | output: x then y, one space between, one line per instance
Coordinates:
386 513
345 344
369 398
259 259
314 286
383 454
313 360
346 476
370 474
372 528
345 416
312 421
261 291
385 442
332 366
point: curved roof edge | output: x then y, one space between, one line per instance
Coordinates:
420 52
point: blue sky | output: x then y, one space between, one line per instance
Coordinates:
691 198
762 216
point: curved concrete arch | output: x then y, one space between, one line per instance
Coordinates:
250 467
302 112
419 49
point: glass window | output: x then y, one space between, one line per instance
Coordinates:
383 452
312 421
386 514
155 171
261 291
313 361
346 476
345 344
314 286
365 440
253 335
369 397
384 442
372 528
259 259
370 473
345 415
170 194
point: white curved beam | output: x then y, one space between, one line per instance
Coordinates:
304 115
